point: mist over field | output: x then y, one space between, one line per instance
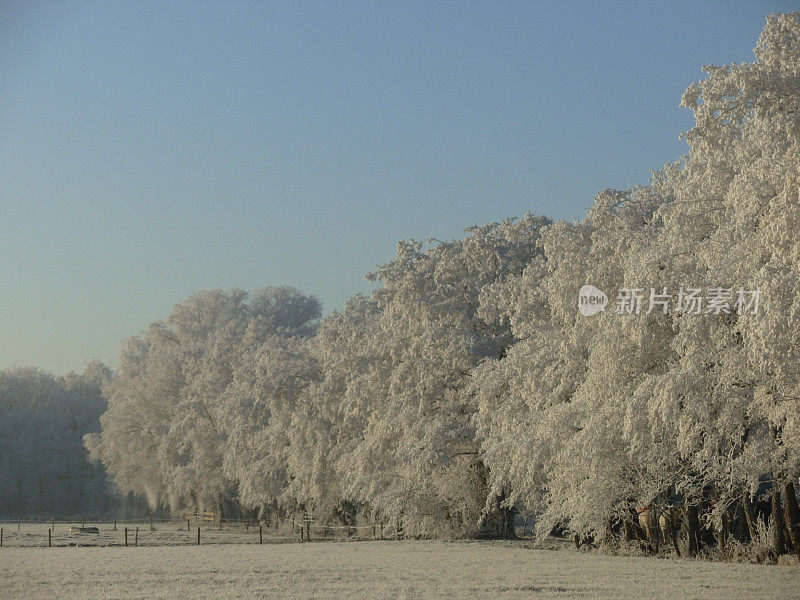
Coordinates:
535 406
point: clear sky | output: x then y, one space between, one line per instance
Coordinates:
152 149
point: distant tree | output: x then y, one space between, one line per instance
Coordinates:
43 466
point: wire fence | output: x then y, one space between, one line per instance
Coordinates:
197 529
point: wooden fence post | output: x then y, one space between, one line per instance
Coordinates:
188 522
19 523
1 537
49 538
198 536
115 523
126 537
136 538
260 535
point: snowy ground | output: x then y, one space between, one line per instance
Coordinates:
375 569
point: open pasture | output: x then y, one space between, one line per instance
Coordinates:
378 570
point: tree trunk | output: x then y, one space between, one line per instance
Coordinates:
747 506
608 535
723 527
276 515
693 528
629 533
507 520
669 523
792 516
497 518
673 535
778 539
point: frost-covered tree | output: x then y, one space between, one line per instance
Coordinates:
354 363
585 418
164 434
742 178
261 413
412 454
43 465
550 412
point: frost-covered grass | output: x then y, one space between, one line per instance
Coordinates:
376 569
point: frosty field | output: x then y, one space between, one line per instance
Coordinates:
375 569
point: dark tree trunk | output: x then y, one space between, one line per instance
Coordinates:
792 516
778 539
747 507
630 535
693 528
669 524
673 536
497 519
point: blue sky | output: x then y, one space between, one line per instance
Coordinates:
149 150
